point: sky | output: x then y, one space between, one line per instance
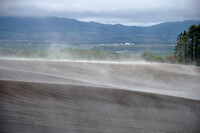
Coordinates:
126 12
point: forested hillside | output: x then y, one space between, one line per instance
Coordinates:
74 32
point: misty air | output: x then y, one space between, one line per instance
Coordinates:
103 66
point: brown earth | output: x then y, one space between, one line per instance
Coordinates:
83 97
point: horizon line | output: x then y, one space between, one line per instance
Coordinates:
134 24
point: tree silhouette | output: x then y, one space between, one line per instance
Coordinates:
187 49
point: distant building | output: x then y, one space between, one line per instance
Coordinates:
127 43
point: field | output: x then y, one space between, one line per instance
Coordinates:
135 49
107 52
98 97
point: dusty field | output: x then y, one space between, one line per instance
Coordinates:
50 96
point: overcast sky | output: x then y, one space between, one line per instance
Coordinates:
127 12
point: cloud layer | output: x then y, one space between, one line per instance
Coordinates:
128 12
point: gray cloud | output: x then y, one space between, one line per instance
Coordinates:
129 12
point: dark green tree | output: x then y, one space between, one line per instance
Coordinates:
187 49
191 35
197 44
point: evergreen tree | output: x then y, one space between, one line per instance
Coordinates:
197 44
191 35
187 49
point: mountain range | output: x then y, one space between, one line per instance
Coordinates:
74 32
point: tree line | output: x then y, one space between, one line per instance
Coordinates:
187 49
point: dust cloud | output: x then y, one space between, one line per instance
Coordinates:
159 78
98 97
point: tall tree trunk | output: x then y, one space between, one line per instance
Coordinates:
185 53
196 50
192 49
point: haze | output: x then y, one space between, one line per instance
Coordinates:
127 12
61 75
89 97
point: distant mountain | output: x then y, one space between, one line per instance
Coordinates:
71 31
